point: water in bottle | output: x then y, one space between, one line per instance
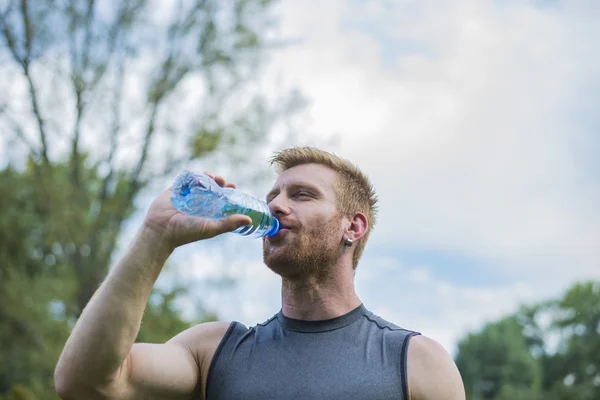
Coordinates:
199 195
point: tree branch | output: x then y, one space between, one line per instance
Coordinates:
24 62
21 135
116 128
82 64
28 32
158 91
38 116
88 35
147 140
77 78
102 222
4 13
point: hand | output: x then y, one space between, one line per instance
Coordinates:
178 229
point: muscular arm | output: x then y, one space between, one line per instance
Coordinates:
97 357
100 360
432 374
176 369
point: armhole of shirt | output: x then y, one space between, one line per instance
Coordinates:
215 357
404 363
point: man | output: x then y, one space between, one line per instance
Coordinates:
323 344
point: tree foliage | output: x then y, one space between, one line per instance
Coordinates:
98 100
549 350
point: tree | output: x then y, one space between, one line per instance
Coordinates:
496 363
32 281
108 76
573 369
99 100
549 350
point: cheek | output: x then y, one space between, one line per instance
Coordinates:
325 224
315 217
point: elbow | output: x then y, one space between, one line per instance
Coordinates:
69 384
62 384
66 389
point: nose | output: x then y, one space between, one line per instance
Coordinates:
279 205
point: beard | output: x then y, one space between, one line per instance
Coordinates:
304 252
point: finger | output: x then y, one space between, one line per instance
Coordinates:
220 180
217 178
231 185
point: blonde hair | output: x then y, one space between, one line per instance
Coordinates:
354 192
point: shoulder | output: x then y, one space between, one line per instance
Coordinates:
384 324
202 333
203 339
432 373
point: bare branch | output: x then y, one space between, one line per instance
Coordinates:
88 35
101 223
116 129
28 32
147 140
81 64
5 12
38 115
21 135
24 62
18 131
158 90
125 17
10 41
78 87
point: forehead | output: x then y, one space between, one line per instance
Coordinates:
315 175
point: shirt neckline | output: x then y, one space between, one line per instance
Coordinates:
299 325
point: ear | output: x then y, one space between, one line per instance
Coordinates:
358 227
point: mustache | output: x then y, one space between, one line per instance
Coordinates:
289 224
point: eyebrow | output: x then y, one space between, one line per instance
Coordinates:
295 186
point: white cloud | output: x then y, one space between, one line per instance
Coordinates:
211 266
414 298
419 275
471 142
464 115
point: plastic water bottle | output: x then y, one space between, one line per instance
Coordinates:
199 195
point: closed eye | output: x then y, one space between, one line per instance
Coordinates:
303 194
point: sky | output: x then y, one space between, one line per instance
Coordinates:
477 122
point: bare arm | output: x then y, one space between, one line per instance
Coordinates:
104 334
170 370
99 359
432 374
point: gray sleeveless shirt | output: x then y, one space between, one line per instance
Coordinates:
355 356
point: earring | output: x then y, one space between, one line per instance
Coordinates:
348 242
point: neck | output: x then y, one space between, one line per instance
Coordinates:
318 298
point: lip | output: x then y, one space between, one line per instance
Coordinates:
282 231
289 225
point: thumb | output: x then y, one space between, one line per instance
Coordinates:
233 222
